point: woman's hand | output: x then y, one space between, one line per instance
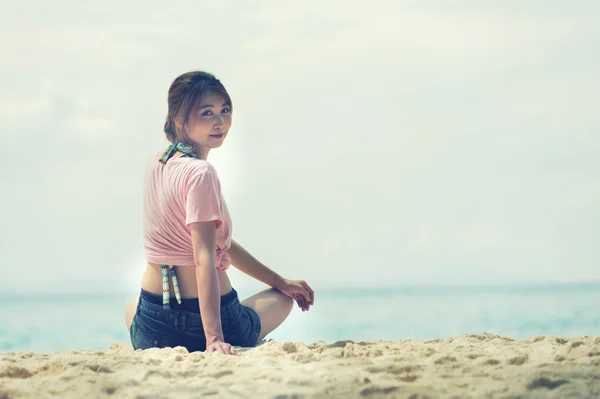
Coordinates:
300 291
220 347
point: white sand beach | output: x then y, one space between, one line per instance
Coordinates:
465 366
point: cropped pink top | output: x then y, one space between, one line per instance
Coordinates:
181 191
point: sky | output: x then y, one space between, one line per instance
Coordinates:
374 144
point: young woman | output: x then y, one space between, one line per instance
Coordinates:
186 297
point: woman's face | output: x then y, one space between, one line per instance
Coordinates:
209 122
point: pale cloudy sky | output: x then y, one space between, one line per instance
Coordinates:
374 143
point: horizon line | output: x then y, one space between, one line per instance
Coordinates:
10 291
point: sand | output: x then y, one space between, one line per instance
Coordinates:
465 366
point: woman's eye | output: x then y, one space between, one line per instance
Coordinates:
209 113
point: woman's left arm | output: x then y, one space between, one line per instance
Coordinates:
245 262
297 289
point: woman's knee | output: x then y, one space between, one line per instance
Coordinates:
288 302
285 303
271 305
284 308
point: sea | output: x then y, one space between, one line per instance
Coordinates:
48 323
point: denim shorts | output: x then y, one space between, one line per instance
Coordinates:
155 327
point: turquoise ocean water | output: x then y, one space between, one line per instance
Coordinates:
49 323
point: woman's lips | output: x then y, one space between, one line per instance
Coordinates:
217 136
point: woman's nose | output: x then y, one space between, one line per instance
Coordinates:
220 122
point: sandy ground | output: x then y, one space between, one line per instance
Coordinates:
465 366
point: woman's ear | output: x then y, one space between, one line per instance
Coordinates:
179 125
181 129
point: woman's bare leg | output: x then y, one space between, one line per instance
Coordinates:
130 310
272 307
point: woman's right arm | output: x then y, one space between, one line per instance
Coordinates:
207 281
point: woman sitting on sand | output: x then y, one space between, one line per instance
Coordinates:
188 244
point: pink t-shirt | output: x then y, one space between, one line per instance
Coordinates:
182 191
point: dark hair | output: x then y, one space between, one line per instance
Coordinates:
184 93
